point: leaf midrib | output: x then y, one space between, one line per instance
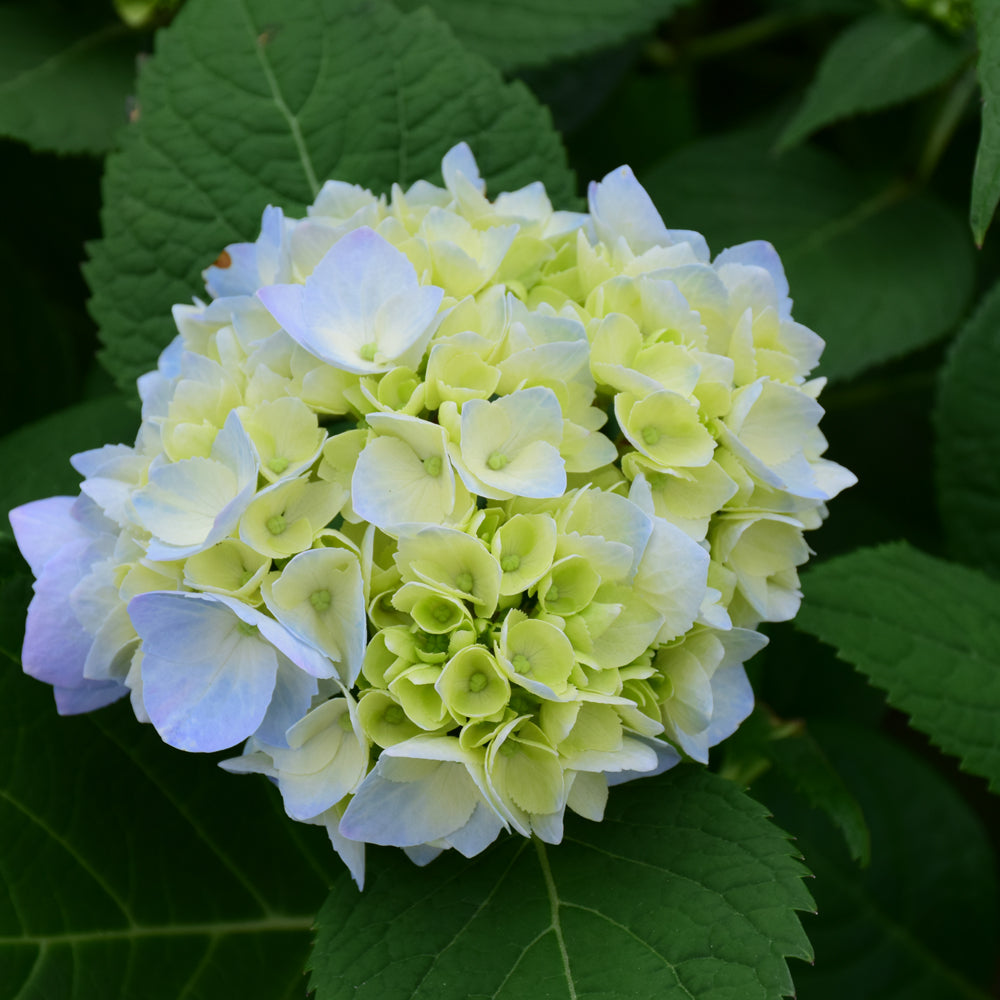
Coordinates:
279 101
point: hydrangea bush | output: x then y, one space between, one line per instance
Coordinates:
453 512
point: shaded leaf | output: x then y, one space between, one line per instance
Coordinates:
35 458
927 632
683 891
877 272
880 60
920 923
45 327
63 89
534 32
131 870
325 88
968 439
802 759
764 741
986 175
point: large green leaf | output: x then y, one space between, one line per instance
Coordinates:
986 176
968 442
878 61
920 923
62 88
925 630
683 891
132 870
533 32
876 271
250 102
35 458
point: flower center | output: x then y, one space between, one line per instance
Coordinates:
521 664
320 599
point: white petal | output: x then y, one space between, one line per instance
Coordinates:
620 206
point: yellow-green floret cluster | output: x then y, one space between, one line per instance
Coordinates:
454 511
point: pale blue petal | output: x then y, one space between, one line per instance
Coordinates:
88 696
437 800
422 854
733 700
55 643
459 160
42 528
357 275
206 686
406 322
482 829
301 653
760 253
285 304
291 700
666 758
620 206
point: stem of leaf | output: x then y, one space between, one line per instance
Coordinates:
945 124
743 36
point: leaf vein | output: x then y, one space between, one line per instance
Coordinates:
282 106
108 889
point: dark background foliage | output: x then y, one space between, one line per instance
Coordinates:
844 131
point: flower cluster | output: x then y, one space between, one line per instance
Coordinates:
455 511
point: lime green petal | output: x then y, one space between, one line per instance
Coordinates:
383 719
472 686
524 547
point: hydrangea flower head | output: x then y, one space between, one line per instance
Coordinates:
446 513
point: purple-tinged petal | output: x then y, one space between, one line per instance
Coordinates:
207 678
43 527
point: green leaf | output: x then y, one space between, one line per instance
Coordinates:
250 102
683 891
927 632
968 439
534 32
876 271
129 869
764 741
986 175
35 458
62 89
802 759
880 60
920 923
